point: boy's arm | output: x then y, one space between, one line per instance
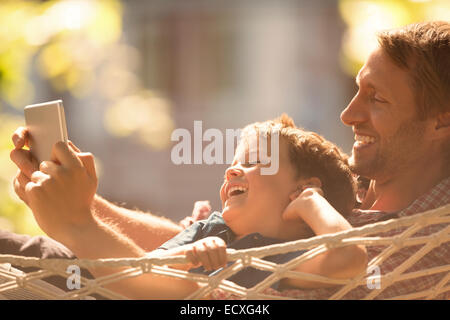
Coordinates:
340 263
209 252
110 244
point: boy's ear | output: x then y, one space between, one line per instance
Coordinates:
442 127
310 182
305 183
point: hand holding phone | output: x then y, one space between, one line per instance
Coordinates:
46 125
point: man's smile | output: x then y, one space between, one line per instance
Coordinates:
363 141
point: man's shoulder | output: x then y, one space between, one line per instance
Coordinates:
434 198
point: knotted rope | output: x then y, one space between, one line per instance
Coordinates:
406 230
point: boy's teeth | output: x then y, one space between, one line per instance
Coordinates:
364 139
232 189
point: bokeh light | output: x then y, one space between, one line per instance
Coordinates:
135 70
365 18
146 115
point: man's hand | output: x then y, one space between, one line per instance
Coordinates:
26 163
210 252
59 192
202 210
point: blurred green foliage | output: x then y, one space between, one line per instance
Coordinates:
64 37
73 47
62 40
14 214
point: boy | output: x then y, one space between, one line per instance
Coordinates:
293 205
281 207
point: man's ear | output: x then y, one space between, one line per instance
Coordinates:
442 127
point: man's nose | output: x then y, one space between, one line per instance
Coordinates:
356 112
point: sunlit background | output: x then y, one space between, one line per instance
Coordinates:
130 72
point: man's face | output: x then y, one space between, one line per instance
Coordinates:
389 137
252 202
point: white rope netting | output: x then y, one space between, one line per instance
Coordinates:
424 232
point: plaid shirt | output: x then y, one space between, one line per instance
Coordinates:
434 198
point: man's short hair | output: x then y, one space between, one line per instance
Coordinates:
313 156
424 50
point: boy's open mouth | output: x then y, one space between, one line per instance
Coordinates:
236 191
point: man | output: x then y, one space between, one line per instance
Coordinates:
401 116
401 119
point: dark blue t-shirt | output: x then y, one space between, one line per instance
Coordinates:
215 226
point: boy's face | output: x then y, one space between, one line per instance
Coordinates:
252 202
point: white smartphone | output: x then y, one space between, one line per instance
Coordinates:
46 124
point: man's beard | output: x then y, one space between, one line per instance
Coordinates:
393 153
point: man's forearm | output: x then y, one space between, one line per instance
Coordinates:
146 230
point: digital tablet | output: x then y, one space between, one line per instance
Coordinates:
46 125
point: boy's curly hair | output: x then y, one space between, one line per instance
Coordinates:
314 156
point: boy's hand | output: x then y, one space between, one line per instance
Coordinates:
202 210
299 202
210 252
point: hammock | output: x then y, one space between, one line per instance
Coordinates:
422 233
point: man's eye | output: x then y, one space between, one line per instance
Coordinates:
378 99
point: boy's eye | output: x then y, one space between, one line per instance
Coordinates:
248 164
